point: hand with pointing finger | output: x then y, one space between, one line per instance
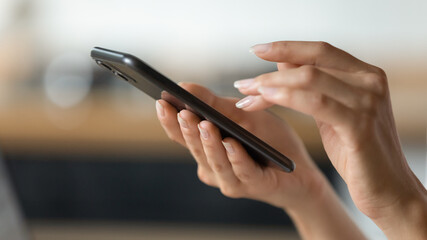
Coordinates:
350 101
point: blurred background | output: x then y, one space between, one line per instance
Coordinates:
85 153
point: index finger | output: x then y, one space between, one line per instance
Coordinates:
320 54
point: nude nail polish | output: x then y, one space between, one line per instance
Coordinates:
260 48
245 102
182 122
228 147
203 132
244 83
160 109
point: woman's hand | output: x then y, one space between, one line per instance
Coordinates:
305 193
226 165
350 101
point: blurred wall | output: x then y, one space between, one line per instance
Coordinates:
45 46
55 100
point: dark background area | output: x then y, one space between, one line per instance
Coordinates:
157 190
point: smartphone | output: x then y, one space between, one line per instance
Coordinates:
134 71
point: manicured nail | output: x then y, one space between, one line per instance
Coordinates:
260 48
228 147
203 132
245 102
182 122
244 83
267 90
160 109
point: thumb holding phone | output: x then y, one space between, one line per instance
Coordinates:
223 163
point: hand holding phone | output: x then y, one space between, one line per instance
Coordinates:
156 85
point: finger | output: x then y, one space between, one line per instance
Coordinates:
216 156
320 106
372 82
188 122
244 167
314 79
309 53
249 87
166 114
253 103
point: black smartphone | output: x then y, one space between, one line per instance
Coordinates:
139 74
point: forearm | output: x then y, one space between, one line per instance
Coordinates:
324 217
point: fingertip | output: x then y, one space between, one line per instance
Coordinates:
164 104
205 129
228 146
160 109
186 114
233 147
245 102
260 49
253 103
205 124
243 165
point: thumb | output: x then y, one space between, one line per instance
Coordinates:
223 105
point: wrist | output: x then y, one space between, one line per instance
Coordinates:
319 194
323 216
315 191
408 217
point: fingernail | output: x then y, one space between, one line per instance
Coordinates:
244 83
267 91
260 48
228 147
245 102
160 109
182 122
203 132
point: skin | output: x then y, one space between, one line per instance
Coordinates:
350 102
305 194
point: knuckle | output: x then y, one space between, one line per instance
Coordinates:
381 73
323 47
244 177
308 74
263 78
204 177
230 192
377 81
318 101
217 167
